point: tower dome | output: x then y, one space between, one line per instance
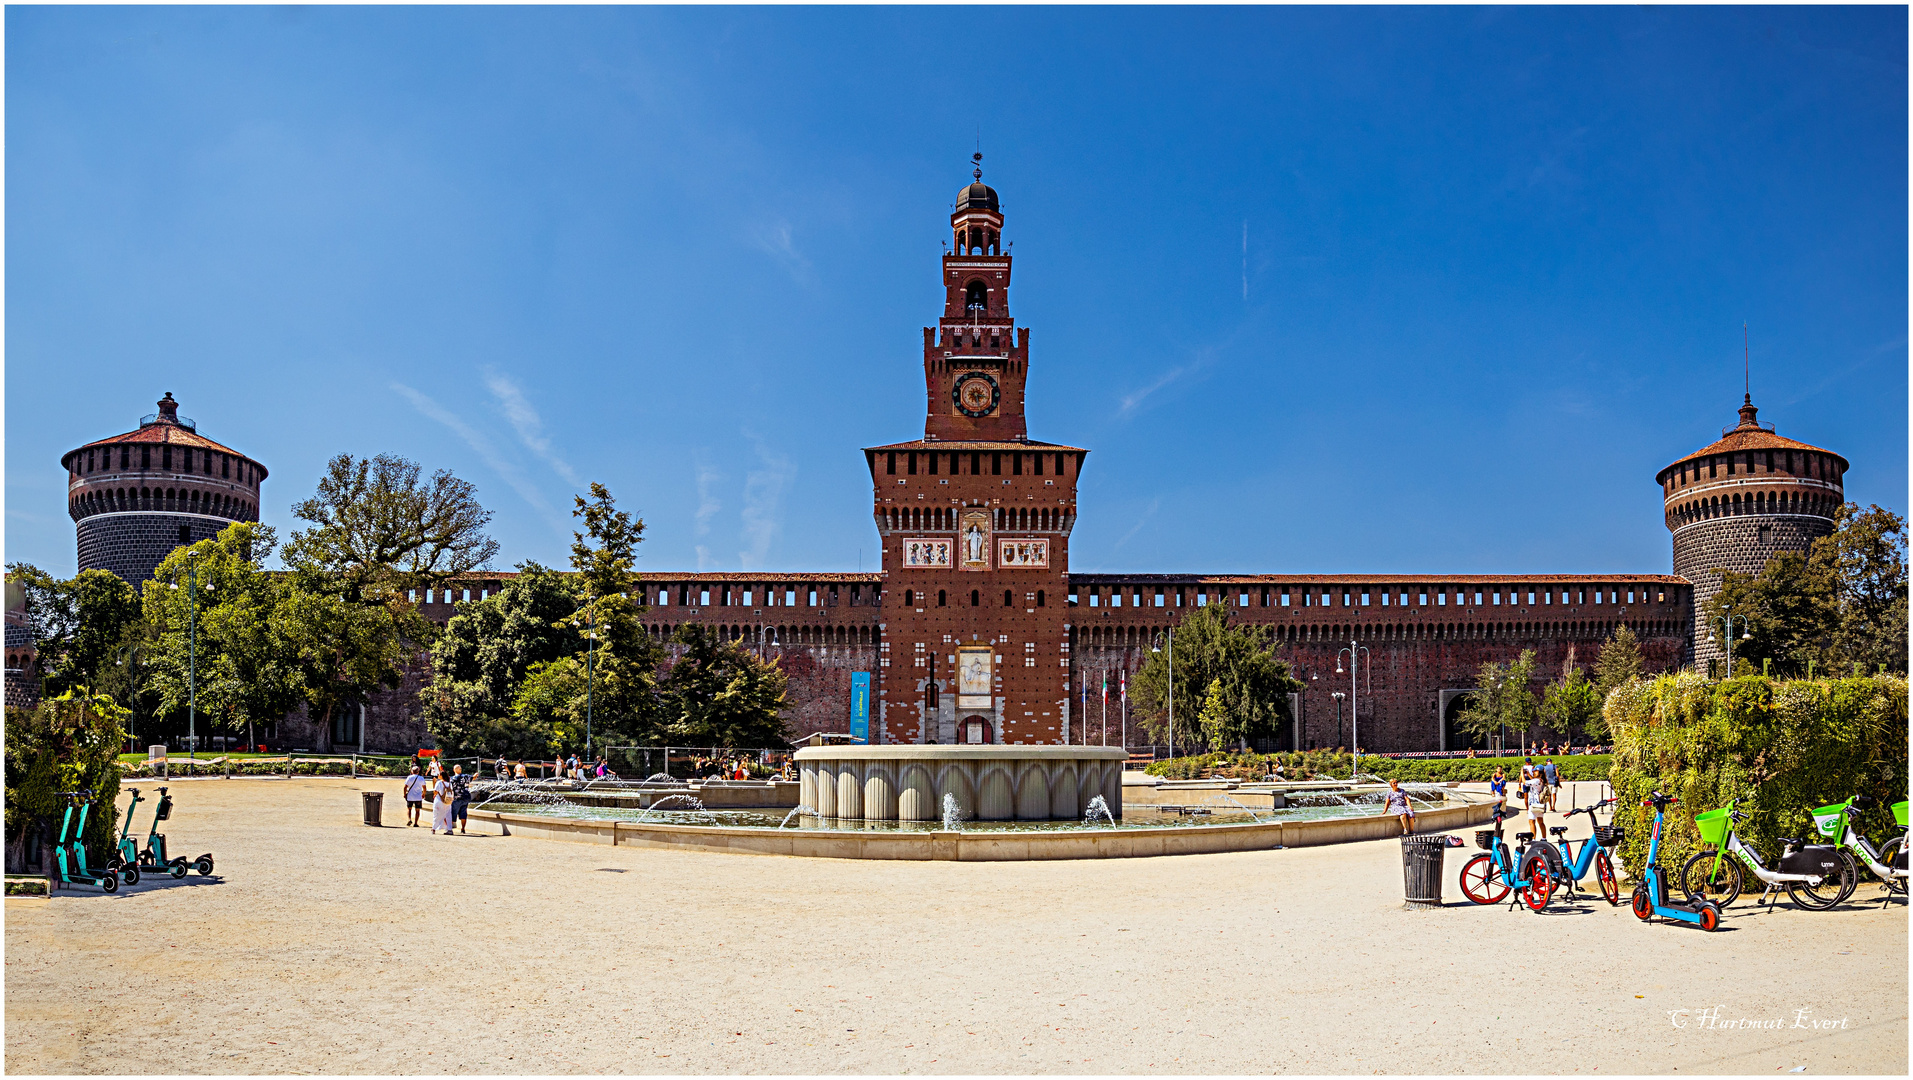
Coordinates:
1737 502
138 495
977 196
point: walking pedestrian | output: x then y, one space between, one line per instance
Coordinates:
1553 776
461 797
1395 802
441 806
414 796
1537 794
502 770
518 771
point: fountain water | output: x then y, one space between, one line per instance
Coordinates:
953 814
1099 808
799 809
1254 814
691 802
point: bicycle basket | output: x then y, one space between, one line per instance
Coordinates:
1485 839
1608 835
1899 814
1713 825
1826 819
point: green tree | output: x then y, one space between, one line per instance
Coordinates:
77 625
1790 610
717 693
68 743
1502 700
1618 661
242 670
1865 562
607 689
379 529
481 661
1572 706
1238 661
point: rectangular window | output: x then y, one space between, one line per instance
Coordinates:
1345 600
933 463
811 596
1364 597
1630 596
790 597
1285 599
704 598
1037 461
1095 597
1660 597
912 464
166 457
996 464
1386 593
1202 599
890 466
1424 598
976 464
1159 598
1496 598
1072 598
747 598
411 596
1441 598
1016 464
1116 598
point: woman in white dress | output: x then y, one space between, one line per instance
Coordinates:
442 806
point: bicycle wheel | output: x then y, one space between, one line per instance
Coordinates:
1702 880
1540 887
1830 891
1481 882
1887 853
1604 873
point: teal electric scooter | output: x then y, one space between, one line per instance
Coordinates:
153 859
69 852
125 858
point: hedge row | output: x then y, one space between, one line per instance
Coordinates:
1780 747
266 767
1304 764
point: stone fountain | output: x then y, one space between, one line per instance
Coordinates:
999 783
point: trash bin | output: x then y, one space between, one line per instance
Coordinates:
1421 869
374 805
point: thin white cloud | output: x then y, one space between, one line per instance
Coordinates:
529 425
1141 520
776 240
707 501
1133 400
485 449
763 504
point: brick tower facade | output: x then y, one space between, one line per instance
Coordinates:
135 497
975 521
1738 502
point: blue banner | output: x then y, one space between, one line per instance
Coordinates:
860 706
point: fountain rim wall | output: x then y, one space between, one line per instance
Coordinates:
951 752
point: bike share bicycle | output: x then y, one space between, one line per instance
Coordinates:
1835 822
1488 878
1816 876
1568 869
1650 896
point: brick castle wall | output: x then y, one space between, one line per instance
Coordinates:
1743 544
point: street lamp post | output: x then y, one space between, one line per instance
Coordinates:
192 650
1172 690
1338 696
1726 625
131 653
1355 653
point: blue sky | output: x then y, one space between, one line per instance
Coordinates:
1324 290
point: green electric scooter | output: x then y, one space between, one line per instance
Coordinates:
125 857
153 859
70 850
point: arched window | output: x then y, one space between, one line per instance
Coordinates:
942 597
1009 598
976 298
976 598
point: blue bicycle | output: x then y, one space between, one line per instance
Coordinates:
1567 869
1489 878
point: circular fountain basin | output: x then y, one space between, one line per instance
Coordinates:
991 783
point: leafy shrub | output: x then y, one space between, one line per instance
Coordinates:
1305 764
1781 747
68 743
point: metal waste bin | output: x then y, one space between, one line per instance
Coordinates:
1421 869
374 805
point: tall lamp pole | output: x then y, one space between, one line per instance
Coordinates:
131 653
192 650
1356 652
1338 696
1726 625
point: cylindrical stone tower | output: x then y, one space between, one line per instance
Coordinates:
1737 503
139 495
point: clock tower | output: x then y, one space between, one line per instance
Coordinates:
975 519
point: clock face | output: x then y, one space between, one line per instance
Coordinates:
976 394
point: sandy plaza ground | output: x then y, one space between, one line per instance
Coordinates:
325 946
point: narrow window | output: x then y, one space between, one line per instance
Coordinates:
225 467
942 597
1531 597
976 461
1039 598
1497 597
909 598
996 464
1115 598
1424 597
976 598
1385 596
1037 461
913 464
1016 464
1284 601
933 462
891 466
1095 598
704 598
145 457
813 596
1009 599
1345 599
1202 599
1441 598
